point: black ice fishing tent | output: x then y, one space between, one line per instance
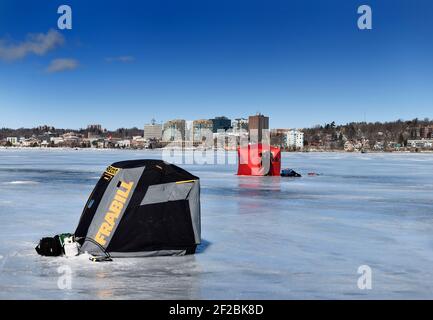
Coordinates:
142 208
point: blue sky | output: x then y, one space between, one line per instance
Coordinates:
300 62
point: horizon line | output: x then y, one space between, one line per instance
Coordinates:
425 119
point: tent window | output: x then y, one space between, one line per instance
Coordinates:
91 202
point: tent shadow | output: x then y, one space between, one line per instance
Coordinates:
202 246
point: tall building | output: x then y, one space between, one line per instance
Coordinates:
45 128
174 130
260 123
221 123
279 137
421 132
426 132
152 131
295 139
94 127
201 129
239 124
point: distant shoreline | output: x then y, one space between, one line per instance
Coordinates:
2 148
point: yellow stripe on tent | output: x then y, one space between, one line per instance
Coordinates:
186 181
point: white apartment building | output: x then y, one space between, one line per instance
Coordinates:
12 140
152 131
239 125
295 138
201 129
123 143
174 130
423 143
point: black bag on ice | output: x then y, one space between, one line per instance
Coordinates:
49 247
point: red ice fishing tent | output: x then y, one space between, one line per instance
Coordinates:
259 160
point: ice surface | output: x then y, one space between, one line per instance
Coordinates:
264 238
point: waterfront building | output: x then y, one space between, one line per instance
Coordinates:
174 130
295 139
152 131
221 123
258 124
201 130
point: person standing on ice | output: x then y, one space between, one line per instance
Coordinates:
265 163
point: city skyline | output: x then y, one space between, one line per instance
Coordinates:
404 136
154 121
302 64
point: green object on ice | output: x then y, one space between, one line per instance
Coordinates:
62 238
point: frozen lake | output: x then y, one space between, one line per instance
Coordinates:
264 238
